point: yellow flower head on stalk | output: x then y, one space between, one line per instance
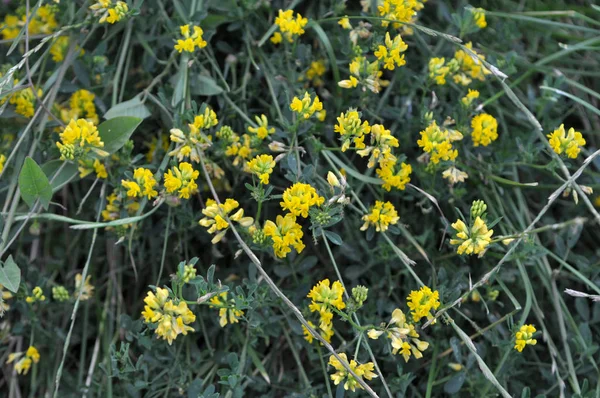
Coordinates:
365 73
5 295
204 121
402 335
79 138
110 12
299 198
170 316
263 130
344 22
276 38
479 17
44 21
380 148
143 184
525 337
485 129
24 101
182 180
390 53
473 240
352 129
568 143
363 371
289 26
24 359
422 301
36 295
81 106
241 149
59 49
393 176
438 70
326 333
437 143
469 68
399 10
87 166
2 160
262 166
11 27
285 232
87 289
216 214
468 99
314 72
227 311
191 40
306 107
381 216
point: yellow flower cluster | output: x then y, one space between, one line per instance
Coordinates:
568 143
352 129
42 22
468 99
525 337
190 41
81 106
422 301
306 107
344 22
381 216
299 198
78 138
143 184
400 11
288 26
454 175
314 72
216 215
380 150
438 70
284 232
24 101
485 129
227 311
438 143
479 17
366 73
171 319
263 130
110 12
86 288
112 211
472 240
462 67
36 295
394 175
325 297
190 144
262 166
87 166
182 180
390 53
24 359
361 370
402 335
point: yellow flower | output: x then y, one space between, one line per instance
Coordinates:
24 360
227 311
290 27
142 186
473 240
190 42
262 166
11 27
399 10
468 99
59 49
469 66
437 142
479 17
362 371
87 166
171 319
350 83
421 303
525 337
276 38
368 74
78 138
380 150
2 160
485 129
81 106
314 73
352 129
216 215
299 198
345 22
285 232
305 107
5 295
109 12
112 211
263 130
182 179
402 335
24 101
87 289
454 175
569 143
390 53
37 295
381 215
392 178
438 70
323 299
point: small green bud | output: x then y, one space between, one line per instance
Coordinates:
59 293
189 273
359 294
478 209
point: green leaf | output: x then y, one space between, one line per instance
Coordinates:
333 238
259 366
10 275
206 85
454 385
116 132
68 173
134 108
34 184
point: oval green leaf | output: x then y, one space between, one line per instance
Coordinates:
34 184
115 132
